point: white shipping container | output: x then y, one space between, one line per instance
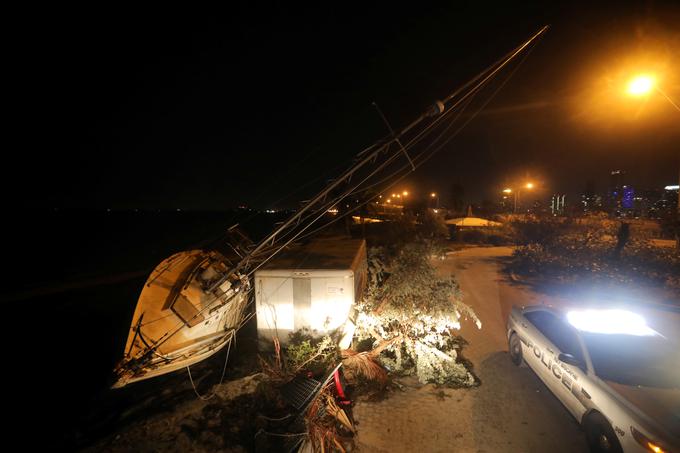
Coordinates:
313 287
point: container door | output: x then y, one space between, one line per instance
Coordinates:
302 302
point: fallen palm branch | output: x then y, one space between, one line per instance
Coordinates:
363 364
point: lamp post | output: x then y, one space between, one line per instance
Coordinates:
516 192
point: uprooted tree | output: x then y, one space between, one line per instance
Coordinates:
409 316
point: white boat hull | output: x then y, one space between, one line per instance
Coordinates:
179 319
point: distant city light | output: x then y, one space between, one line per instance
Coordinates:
530 185
507 190
433 194
610 322
673 187
405 193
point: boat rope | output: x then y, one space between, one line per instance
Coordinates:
277 419
224 371
281 434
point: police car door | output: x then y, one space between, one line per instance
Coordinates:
538 351
569 375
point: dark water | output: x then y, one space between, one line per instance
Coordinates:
68 296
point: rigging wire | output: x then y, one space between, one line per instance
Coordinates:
490 72
427 157
463 103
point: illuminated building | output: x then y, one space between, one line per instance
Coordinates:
615 192
627 196
557 204
591 201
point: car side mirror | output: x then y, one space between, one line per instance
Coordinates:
570 359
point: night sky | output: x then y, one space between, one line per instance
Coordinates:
122 108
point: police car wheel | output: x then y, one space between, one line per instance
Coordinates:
600 435
515 348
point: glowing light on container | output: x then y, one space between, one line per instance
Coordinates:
610 322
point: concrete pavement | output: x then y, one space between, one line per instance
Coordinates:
512 411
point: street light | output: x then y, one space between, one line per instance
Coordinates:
641 85
435 195
508 190
644 84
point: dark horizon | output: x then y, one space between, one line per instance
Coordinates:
133 110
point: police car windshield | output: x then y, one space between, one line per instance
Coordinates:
648 361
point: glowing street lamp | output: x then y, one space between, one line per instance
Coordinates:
435 195
643 84
405 193
508 190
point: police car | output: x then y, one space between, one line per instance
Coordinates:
616 375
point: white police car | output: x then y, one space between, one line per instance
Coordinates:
617 376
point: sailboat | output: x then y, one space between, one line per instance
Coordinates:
182 317
194 302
